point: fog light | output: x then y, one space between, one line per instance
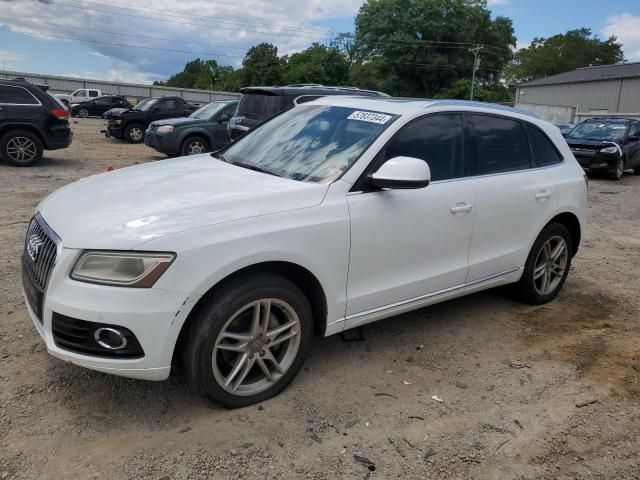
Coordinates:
110 338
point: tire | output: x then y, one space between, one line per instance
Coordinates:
134 133
21 148
636 171
617 172
194 146
231 308
83 113
530 289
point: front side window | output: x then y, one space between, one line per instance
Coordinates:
146 104
438 140
80 93
16 96
634 130
103 101
500 144
544 151
310 143
167 106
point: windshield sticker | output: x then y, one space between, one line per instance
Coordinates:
370 117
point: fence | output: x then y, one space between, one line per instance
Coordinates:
59 84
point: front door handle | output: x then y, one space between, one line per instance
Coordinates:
461 208
543 195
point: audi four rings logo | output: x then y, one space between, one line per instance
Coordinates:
34 244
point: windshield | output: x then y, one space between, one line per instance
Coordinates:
259 106
146 104
310 143
206 112
599 131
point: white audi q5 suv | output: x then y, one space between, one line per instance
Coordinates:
331 215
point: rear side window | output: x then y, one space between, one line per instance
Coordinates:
437 139
545 153
500 145
94 93
257 106
16 95
167 106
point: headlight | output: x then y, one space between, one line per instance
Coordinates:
125 269
609 150
118 122
74 104
165 129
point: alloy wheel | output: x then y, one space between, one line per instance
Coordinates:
21 149
135 134
550 265
84 113
256 347
195 148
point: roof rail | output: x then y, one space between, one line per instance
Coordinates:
471 103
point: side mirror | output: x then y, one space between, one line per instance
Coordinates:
223 118
402 173
155 109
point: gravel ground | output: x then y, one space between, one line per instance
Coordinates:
523 392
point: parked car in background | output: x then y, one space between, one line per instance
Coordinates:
131 124
80 95
336 213
31 121
99 106
258 104
565 128
609 145
114 111
202 131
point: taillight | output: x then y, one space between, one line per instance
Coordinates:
60 113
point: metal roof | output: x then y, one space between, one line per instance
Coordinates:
589 74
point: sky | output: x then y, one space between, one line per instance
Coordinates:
119 40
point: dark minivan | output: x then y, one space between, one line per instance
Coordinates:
31 120
261 103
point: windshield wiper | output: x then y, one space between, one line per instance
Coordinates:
255 168
219 156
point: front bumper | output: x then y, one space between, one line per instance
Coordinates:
114 131
163 143
596 161
154 316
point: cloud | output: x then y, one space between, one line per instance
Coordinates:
155 41
493 3
10 57
626 28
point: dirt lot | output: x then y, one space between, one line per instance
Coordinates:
527 392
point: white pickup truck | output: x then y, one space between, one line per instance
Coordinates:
77 96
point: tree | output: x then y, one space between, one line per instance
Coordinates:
562 53
262 66
494 92
189 76
317 64
423 44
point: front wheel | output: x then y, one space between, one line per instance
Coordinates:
547 266
134 133
248 341
194 146
618 170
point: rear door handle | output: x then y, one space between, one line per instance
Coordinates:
461 208
543 195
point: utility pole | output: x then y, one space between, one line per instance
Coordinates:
476 65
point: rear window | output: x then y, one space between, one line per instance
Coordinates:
259 106
16 96
544 151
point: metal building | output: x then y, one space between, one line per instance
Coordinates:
604 91
59 84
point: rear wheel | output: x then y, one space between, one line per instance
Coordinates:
134 133
249 340
194 146
547 266
618 170
21 148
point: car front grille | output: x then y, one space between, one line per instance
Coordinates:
38 258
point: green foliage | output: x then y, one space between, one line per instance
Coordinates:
317 64
421 46
562 53
262 66
460 89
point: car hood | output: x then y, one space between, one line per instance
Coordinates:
179 122
591 144
125 208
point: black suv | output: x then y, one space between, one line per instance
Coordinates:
609 145
258 104
31 121
97 106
